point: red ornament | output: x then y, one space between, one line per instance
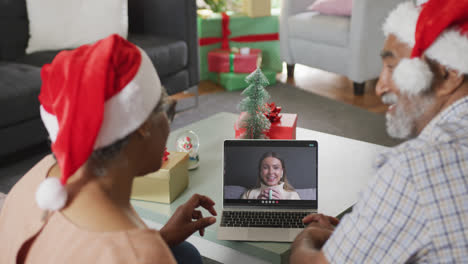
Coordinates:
166 154
273 115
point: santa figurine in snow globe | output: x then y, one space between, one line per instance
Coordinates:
188 142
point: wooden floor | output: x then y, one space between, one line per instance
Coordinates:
315 81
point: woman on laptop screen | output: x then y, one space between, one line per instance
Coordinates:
272 183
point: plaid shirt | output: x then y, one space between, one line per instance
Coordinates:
416 208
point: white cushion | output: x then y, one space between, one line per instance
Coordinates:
67 24
325 29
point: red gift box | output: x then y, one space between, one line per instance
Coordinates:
285 128
220 60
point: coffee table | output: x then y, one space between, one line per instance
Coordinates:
344 168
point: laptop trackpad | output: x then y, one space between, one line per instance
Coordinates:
268 234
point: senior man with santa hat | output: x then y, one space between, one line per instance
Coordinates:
416 207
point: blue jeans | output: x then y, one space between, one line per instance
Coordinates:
186 253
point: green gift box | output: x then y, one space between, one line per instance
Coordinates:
235 30
236 81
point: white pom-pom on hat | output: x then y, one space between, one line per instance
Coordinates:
51 195
412 76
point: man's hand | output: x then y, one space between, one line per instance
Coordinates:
306 247
186 220
328 222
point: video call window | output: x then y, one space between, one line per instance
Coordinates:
270 173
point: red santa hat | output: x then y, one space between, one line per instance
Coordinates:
90 98
437 29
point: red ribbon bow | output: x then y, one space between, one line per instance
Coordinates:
166 154
273 115
226 32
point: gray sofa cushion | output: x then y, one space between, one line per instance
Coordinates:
307 194
38 58
14 30
168 55
20 86
22 135
233 191
333 30
176 83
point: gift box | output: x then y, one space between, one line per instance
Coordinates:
222 31
236 81
166 184
285 128
244 60
257 8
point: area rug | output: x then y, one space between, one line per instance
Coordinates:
314 112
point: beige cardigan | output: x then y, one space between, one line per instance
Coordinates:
287 195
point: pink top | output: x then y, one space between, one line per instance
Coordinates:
60 241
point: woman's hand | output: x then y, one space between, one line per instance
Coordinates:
181 225
265 194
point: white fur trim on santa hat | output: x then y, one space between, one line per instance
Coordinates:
128 109
451 50
125 111
402 22
50 122
420 2
51 195
412 76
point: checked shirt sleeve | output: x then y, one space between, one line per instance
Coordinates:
386 224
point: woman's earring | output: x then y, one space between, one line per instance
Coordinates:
146 134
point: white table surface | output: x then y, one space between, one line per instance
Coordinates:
344 168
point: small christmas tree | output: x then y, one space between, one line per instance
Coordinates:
255 122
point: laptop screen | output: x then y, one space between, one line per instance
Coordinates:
270 173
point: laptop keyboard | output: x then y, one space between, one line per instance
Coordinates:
263 219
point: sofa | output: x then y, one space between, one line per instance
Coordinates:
166 30
349 46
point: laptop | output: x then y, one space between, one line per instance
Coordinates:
268 187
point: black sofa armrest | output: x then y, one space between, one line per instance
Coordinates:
172 18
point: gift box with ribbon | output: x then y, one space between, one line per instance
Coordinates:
257 8
236 81
227 30
166 184
243 60
283 126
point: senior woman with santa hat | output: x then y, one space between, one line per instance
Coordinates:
103 106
